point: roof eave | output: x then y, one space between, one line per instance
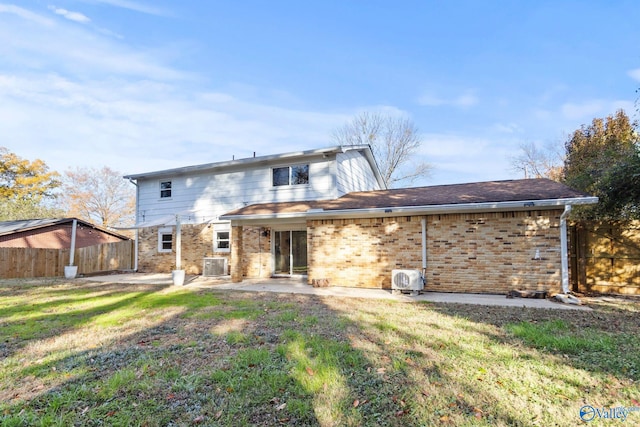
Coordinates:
246 161
521 205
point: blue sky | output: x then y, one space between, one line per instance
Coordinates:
141 85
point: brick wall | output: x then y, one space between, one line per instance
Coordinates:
197 243
484 252
256 252
362 252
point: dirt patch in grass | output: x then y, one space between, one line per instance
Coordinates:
157 355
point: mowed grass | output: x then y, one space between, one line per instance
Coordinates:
80 353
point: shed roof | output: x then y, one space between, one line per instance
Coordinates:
18 226
525 193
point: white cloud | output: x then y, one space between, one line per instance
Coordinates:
509 128
25 14
137 126
134 6
635 74
465 100
72 16
78 50
594 108
576 111
456 157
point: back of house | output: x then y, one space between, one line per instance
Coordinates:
196 197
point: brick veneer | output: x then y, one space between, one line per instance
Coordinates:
481 252
197 243
252 246
484 252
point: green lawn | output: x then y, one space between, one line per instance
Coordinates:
74 353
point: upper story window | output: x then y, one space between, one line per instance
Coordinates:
165 189
291 175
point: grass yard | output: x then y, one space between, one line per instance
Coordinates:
90 354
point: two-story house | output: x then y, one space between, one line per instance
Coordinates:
326 215
196 197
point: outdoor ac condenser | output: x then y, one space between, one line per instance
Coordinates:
214 267
406 280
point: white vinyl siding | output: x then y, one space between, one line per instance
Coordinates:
354 173
203 197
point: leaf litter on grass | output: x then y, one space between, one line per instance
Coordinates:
269 359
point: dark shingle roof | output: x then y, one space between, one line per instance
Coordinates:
478 192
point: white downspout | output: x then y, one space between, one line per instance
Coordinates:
423 222
564 251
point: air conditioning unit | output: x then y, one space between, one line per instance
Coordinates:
406 280
214 267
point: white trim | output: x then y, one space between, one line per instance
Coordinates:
163 232
271 159
221 228
521 205
170 189
290 177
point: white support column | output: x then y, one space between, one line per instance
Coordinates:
178 244
72 251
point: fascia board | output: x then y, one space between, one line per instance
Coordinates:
235 163
521 205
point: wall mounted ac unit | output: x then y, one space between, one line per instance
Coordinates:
214 267
406 280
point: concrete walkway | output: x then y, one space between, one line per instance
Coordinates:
298 286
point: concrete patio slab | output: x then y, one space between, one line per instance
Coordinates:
299 286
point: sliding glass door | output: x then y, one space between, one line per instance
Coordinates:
290 249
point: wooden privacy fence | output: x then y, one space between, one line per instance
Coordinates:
32 262
605 257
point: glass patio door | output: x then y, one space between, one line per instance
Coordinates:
290 249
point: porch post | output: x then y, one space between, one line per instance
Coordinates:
236 253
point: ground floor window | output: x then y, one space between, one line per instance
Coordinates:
165 240
222 238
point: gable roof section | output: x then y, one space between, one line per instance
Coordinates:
19 226
524 194
295 156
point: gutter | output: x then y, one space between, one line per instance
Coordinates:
416 210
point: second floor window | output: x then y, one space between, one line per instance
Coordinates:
291 175
165 189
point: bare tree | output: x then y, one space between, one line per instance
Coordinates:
394 142
534 162
101 196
